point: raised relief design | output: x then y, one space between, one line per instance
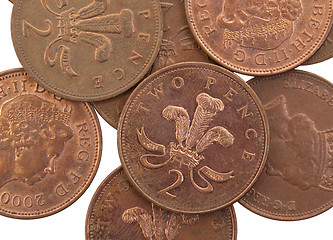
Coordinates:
33 134
299 153
161 224
182 41
192 140
259 24
86 25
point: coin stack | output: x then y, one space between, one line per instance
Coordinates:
193 137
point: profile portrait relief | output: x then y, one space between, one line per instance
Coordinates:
259 24
33 134
299 153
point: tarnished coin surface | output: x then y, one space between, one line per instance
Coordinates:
87 50
178 45
50 148
193 137
259 37
297 182
324 52
118 211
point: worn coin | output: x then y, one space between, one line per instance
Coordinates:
193 137
178 45
324 52
118 211
297 182
50 148
259 37
87 50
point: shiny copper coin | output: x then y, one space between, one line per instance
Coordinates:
87 50
297 182
324 52
118 211
193 137
50 148
178 45
259 37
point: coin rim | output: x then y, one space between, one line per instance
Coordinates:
301 216
222 71
260 72
49 86
64 204
116 172
105 115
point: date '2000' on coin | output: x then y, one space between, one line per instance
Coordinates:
50 148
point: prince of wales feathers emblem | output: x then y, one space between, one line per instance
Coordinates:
159 225
190 137
85 25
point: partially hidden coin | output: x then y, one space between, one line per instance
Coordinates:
297 182
87 50
118 211
193 137
259 37
178 45
50 148
325 52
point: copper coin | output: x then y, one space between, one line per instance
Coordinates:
87 50
324 52
178 45
259 37
118 211
50 148
193 137
297 182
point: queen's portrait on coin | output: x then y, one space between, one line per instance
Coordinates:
259 24
33 133
299 153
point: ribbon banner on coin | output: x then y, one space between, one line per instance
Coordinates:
193 136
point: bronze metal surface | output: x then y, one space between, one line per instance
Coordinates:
178 45
50 148
324 52
193 137
259 37
87 50
118 211
297 182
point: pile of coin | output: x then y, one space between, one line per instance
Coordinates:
193 137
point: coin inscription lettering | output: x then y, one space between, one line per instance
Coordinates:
49 148
299 164
116 213
259 37
91 44
191 142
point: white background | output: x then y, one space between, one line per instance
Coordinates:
70 223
